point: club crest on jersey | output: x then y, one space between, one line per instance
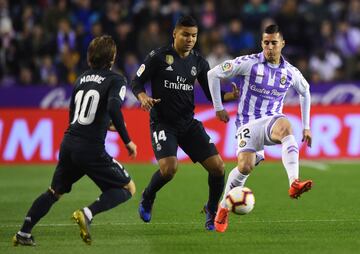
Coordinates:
169 59
140 70
283 80
227 66
193 71
242 143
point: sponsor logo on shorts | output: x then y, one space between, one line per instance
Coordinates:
121 167
158 147
242 143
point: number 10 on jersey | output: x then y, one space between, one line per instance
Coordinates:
86 106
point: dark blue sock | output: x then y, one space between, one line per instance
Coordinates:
109 199
216 187
39 209
156 183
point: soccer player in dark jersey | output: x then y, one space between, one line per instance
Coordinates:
95 102
172 71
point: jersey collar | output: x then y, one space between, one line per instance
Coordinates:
171 48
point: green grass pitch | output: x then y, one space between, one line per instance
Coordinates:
324 220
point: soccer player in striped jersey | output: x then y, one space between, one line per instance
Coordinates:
265 79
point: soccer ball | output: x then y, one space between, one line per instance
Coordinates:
240 200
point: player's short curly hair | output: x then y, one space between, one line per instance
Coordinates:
101 52
187 21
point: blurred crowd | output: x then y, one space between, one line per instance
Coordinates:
44 42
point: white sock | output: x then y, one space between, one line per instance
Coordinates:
88 213
235 179
27 235
290 157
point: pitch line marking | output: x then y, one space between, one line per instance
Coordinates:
315 164
180 223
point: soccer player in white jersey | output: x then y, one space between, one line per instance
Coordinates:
265 78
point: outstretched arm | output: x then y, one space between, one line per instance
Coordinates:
139 91
303 89
143 74
215 91
305 102
226 70
116 96
117 123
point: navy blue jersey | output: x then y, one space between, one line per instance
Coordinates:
91 103
172 80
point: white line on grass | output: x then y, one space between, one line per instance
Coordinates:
181 223
342 161
315 164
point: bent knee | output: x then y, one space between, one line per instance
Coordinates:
281 129
246 168
131 187
284 131
169 174
214 165
54 193
219 168
168 171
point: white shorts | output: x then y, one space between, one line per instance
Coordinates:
252 136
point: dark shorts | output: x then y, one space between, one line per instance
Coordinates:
79 159
192 138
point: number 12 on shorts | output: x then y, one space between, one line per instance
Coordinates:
159 136
245 133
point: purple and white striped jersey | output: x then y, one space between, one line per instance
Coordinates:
262 86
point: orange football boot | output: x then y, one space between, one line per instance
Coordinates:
297 188
221 219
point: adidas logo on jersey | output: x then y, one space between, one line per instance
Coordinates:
169 68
